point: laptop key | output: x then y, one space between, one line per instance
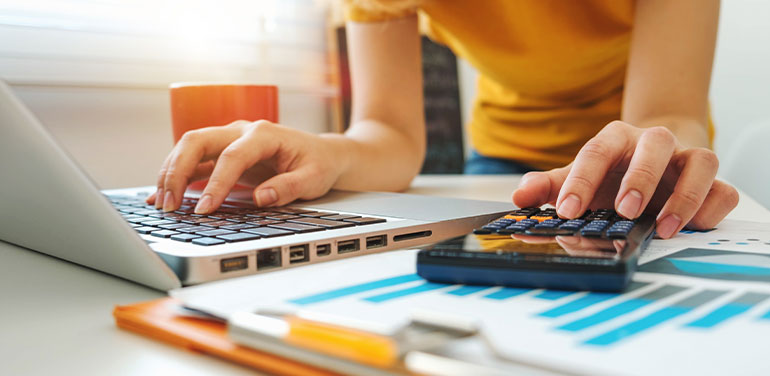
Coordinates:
217 232
174 226
158 222
163 233
318 214
184 237
238 226
264 222
217 223
297 227
140 219
340 217
281 217
145 229
208 241
239 237
364 220
197 220
321 222
268 232
192 229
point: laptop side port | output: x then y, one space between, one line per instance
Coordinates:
413 235
346 246
377 241
323 249
268 258
233 263
298 253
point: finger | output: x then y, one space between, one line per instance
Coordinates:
194 147
580 246
593 161
538 188
721 199
651 157
231 164
695 181
287 187
158 195
203 171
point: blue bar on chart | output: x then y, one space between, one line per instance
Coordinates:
506 293
622 308
467 290
656 318
355 289
427 286
586 301
553 294
734 308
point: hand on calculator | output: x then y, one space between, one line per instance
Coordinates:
635 170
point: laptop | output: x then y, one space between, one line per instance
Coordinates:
48 204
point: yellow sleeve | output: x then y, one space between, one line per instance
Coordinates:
377 10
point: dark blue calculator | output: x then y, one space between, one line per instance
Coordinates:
534 248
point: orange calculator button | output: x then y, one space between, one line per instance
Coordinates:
515 217
541 218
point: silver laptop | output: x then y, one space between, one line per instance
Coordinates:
48 204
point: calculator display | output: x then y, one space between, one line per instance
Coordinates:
573 246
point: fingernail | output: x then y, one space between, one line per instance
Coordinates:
630 204
266 197
159 199
204 205
668 226
570 207
168 201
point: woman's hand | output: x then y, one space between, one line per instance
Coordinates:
636 170
283 163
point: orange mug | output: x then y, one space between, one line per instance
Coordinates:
198 105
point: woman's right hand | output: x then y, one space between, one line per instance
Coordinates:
284 164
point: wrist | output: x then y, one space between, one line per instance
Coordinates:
341 152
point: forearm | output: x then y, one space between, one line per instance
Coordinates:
374 156
691 132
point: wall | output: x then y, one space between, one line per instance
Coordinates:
96 73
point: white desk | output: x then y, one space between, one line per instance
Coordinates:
56 316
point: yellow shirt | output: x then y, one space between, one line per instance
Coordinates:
551 72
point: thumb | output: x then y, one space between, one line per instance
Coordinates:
540 187
284 188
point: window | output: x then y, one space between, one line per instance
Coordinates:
150 43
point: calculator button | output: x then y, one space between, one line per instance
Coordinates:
550 231
163 233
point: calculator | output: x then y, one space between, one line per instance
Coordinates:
534 248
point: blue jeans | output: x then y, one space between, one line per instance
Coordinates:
477 164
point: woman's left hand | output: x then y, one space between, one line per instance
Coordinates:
636 170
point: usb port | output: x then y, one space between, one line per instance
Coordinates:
346 246
233 263
378 241
298 253
323 249
268 258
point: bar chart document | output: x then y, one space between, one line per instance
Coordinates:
698 305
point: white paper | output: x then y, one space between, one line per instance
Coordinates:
722 333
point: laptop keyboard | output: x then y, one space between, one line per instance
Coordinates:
230 223
602 223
